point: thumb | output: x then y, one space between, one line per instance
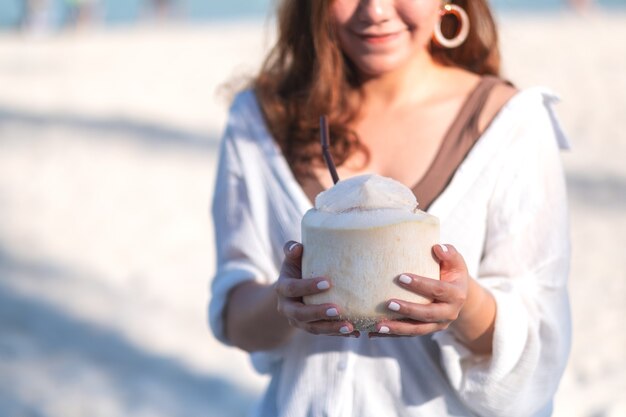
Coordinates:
450 260
292 265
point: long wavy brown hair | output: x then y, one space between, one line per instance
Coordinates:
306 75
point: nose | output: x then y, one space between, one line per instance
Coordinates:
375 11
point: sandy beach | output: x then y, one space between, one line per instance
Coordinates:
108 144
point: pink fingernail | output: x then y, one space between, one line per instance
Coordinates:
405 279
393 306
323 285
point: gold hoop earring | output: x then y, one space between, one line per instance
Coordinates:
461 33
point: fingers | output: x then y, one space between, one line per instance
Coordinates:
297 311
290 287
297 288
405 328
292 264
292 250
316 319
448 296
433 289
439 313
330 328
290 283
450 261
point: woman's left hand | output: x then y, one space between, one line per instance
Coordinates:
448 296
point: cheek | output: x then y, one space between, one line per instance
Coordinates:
421 15
341 11
342 14
424 7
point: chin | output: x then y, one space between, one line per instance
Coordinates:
381 66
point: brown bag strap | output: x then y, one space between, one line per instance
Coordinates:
458 141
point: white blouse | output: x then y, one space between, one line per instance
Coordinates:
505 211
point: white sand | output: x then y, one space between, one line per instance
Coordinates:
107 157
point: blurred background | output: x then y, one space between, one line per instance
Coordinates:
110 117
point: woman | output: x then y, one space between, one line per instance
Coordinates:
413 95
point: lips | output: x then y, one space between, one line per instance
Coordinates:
379 38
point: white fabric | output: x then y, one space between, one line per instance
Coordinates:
505 211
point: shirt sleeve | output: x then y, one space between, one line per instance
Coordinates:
525 266
241 254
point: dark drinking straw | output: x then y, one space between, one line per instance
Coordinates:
327 157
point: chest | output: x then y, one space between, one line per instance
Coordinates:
400 144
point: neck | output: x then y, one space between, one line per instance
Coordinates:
413 82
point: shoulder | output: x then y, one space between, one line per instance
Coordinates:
464 83
498 97
524 110
244 115
246 127
523 104
244 101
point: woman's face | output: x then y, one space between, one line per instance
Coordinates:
379 36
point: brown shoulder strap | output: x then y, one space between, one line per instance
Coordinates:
458 141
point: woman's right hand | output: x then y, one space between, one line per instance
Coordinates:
322 319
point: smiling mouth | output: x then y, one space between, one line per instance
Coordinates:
376 39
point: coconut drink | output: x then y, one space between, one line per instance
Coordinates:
362 234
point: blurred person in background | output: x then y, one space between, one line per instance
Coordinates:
412 92
36 15
581 6
80 12
161 9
